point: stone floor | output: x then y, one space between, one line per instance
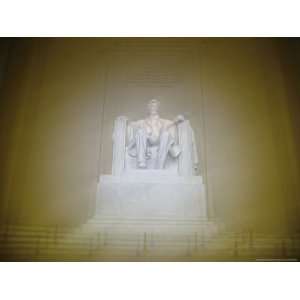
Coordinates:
122 241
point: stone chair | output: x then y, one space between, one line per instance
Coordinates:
184 165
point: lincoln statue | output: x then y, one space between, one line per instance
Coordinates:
154 171
153 132
154 143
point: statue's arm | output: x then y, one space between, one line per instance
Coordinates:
172 130
171 126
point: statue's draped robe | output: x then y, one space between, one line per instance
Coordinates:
147 133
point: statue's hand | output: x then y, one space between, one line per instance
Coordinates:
179 119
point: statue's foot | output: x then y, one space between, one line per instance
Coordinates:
142 165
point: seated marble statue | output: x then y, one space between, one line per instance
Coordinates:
153 132
154 143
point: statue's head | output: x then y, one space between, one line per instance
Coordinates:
153 106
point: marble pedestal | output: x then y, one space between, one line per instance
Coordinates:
151 195
151 213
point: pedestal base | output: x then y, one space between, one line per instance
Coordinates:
151 195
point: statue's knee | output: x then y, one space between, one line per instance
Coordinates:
165 137
165 134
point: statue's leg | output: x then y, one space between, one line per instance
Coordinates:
141 147
166 141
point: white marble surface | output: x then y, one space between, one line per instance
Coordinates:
148 195
153 172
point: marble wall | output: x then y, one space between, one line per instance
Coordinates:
62 95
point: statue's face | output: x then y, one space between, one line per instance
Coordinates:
153 107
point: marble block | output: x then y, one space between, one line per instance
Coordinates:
154 194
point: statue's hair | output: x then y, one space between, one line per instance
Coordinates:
152 101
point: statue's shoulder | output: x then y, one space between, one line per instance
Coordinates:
166 121
136 123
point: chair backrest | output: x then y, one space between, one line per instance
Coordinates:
189 155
